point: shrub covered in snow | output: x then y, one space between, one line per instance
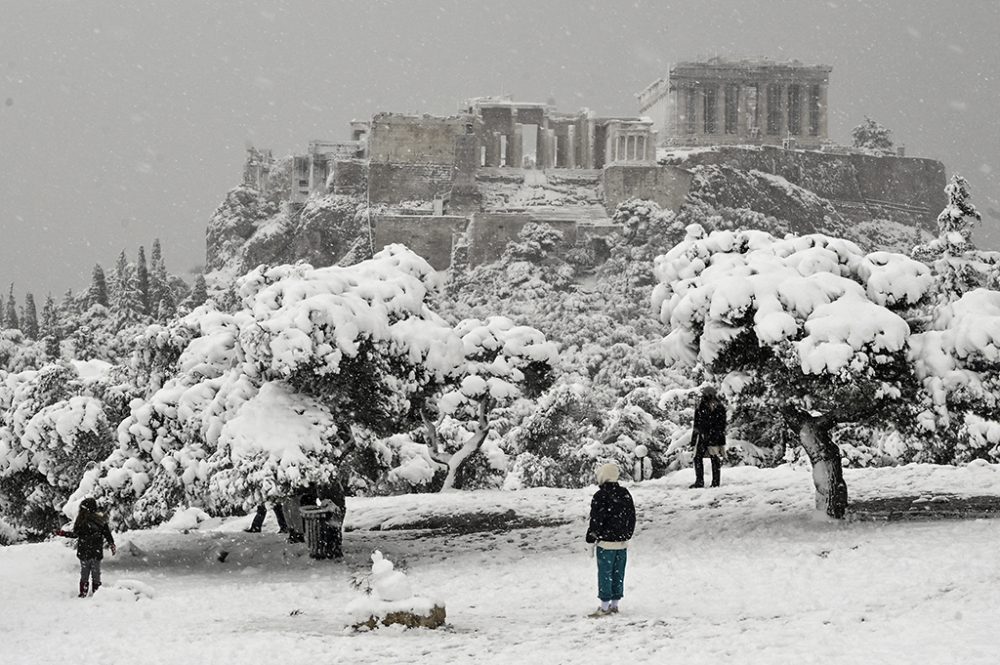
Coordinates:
54 422
264 400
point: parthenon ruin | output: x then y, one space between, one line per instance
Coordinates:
479 175
721 102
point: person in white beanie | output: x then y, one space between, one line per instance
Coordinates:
612 523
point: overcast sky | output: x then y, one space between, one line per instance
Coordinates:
125 121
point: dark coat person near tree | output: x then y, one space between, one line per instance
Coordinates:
709 436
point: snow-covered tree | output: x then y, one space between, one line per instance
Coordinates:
270 397
10 319
126 308
29 322
871 135
501 363
806 330
557 444
142 281
98 292
955 351
162 302
49 325
199 293
53 423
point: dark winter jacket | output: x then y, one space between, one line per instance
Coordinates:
91 531
710 423
612 514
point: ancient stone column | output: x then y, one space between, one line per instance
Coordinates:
515 147
699 111
571 147
719 111
492 152
822 112
783 105
548 141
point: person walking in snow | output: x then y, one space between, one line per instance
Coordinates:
709 436
258 518
612 522
91 531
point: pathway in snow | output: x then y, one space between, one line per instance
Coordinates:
747 573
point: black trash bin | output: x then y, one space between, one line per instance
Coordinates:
322 526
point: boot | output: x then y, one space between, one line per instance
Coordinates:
699 474
699 469
83 590
716 471
97 585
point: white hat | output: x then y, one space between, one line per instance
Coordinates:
607 473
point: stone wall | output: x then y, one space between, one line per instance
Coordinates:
415 139
667 185
393 183
489 232
906 189
430 237
350 177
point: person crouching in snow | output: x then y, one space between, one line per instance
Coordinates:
612 522
91 530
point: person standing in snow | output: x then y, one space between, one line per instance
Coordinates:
612 522
709 436
258 518
91 531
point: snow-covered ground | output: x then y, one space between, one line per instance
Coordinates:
747 573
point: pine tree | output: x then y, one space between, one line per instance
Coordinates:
29 322
162 302
10 314
127 305
871 135
199 293
142 280
49 326
98 293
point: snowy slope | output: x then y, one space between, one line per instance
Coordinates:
748 573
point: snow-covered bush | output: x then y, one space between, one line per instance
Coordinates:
556 445
53 423
268 398
8 534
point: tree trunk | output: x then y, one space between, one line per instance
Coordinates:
470 446
828 474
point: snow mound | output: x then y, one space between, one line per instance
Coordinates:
124 590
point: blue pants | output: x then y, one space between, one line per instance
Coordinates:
90 569
610 573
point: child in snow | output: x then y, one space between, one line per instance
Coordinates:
612 522
91 531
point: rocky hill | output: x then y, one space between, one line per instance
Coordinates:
879 202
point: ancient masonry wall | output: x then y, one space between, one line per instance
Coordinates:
667 185
489 232
350 177
397 182
429 236
904 189
415 139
